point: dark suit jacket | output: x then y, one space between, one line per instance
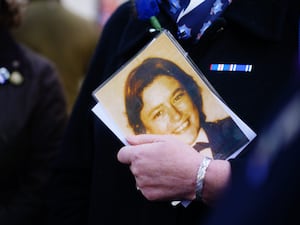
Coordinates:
91 186
224 137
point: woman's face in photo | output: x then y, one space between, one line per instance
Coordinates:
168 109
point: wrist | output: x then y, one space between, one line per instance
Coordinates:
217 178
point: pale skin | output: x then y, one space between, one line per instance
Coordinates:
168 109
165 165
165 168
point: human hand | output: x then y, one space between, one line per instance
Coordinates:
164 167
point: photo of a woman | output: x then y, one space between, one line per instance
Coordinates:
160 98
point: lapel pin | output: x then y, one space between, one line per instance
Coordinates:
16 78
4 75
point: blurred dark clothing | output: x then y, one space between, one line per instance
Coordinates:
266 191
91 186
32 120
224 137
65 38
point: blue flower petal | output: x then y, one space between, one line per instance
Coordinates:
147 8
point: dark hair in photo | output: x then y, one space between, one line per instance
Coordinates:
145 74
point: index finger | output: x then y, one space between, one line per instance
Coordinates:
146 138
125 155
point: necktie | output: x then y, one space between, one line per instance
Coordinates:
193 17
199 146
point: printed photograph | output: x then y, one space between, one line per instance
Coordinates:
160 91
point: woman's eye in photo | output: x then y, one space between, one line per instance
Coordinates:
158 114
179 96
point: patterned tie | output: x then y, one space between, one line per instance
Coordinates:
199 146
193 17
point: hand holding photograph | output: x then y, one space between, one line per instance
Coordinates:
160 91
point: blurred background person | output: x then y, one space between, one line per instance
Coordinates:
32 119
105 9
66 38
266 191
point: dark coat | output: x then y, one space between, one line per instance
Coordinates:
91 186
224 137
32 120
269 180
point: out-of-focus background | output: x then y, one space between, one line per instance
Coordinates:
66 32
97 10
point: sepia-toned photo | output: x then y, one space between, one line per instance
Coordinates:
156 95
